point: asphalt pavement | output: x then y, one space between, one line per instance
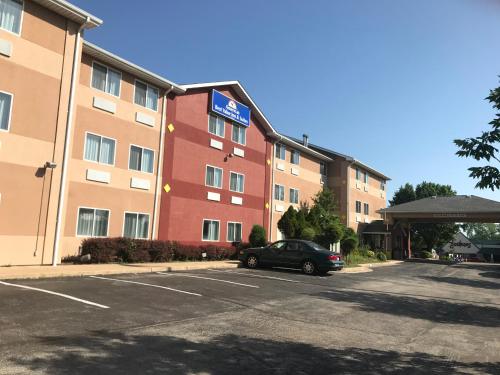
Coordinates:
404 319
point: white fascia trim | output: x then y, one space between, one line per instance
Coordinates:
145 74
245 93
67 9
371 170
302 148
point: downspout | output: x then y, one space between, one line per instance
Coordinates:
348 192
272 189
67 140
160 162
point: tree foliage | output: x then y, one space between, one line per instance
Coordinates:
427 235
485 147
482 231
257 237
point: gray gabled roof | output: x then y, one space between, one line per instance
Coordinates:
444 205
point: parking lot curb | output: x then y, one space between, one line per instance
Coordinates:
43 272
368 267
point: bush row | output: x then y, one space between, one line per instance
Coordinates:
127 250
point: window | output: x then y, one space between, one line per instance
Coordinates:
136 225
234 232
366 177
366 208
294 157
141 159
99 149
322 168
294 196
213 177
106 79
5 110
358 207
239 134
10 15
358 174
278 245
280 151
236 182
279 192
382 185
216 125
210 230
92 222
146 96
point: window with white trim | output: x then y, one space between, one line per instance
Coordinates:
146 95
216 125
382 185
213 177
322 168
279 192
358 174
10 15
233 232
106 79
366 208
294 196
211 230
366 177
239 134
358 207
280 151
294 157
141 159
92 222
136 225
99 149
5 110
236 182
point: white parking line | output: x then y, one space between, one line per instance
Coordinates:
207 278
145 284
253 275
56 294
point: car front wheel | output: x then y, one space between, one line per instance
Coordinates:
308 267
252 261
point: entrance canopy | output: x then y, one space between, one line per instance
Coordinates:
459 209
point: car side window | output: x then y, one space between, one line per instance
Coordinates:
293 246
278 245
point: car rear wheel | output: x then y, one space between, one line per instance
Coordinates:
252 261
308 267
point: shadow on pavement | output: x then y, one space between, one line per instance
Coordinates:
115 353
484 284
434 310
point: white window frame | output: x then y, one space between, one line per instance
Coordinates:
235 125
282 146
358 174
107 69
382 185
93 222
366 177
322 163
20 23
292 152
238 174
218 233
142 152
223 127
148 86
274 193
99 162
10 110
221 177
227 231
137 215
366 207
356 207
290 195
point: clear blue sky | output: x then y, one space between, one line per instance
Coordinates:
390 82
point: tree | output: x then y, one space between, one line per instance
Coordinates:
257 237
481 231
427 234
323 219
404 194
349 241
288 223
485 147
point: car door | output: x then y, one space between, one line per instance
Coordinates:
292 254
273 254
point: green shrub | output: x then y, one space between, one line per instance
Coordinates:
308 233
381 256
101 250
161 251
426 254
370 253
257 236
348 244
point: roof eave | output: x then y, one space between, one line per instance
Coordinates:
290 142
71 12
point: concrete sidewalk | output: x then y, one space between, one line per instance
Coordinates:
38 272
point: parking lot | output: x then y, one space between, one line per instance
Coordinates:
405 319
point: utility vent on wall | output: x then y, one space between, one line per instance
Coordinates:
104 104
237 200
213 196
98 176
239 152
139 183
144 119
216 144
280 166
295 171
5 48
279 208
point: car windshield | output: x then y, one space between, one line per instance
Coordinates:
315 246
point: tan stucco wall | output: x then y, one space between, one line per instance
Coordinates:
308 182
38 75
